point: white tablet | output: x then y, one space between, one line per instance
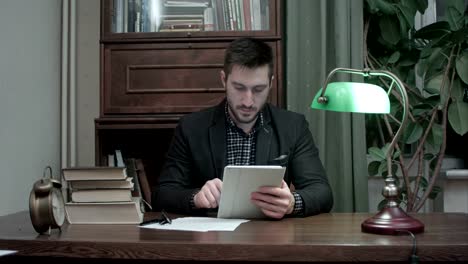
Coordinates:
239 182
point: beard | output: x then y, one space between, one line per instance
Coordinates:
249 116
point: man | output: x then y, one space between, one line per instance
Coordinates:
243 130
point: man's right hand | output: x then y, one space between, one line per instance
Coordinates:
209 195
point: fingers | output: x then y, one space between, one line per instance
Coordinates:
282 191
273 201
273 214
269 202
208 196
271 210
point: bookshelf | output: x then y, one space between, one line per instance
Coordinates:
160 60
154 18
189 16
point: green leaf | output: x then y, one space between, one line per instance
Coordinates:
406 20
454 13
423 182
376 154
457 90
454 18
385 150
394 171
435 136
434 61
434 192
373 168
432 100
458 37
428 156
458 116
412 133
432 164
382 169
433 31
394 57
409 58
433 86
403 25
390 29
427 52
422 109
462 66
421 5
381 6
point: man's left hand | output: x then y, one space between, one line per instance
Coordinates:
275 202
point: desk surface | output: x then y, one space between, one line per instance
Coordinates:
326 237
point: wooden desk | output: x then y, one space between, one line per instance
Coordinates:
321 238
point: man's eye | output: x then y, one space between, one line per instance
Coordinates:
258 89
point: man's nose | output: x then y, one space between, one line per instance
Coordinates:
248 98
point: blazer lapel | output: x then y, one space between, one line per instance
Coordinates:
218 141
264 138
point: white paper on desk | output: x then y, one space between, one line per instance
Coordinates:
7 252
199 224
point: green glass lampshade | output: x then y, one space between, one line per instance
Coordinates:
353 97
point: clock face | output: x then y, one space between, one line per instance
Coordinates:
58 207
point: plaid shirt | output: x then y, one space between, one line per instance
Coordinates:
240 145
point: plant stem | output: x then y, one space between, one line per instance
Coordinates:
379 129
416 182
423 139
436 170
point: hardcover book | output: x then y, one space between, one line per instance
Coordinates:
94 173
104 213
101 195
102 184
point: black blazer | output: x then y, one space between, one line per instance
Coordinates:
198 154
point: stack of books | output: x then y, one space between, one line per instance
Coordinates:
101 195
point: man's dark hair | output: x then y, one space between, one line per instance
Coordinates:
250 53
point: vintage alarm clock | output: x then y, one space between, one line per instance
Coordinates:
46 203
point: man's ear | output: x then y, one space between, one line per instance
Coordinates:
271 80
222 75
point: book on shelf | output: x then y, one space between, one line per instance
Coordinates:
104 213
180 30
94 173
208 19
101 195
181 16
119 158
111 160
188 3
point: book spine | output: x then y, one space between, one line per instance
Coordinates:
247 15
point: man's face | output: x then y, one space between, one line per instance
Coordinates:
247 92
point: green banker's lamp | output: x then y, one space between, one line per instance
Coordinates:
369 98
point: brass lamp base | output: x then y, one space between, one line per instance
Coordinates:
391 221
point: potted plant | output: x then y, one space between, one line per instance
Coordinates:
432 62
